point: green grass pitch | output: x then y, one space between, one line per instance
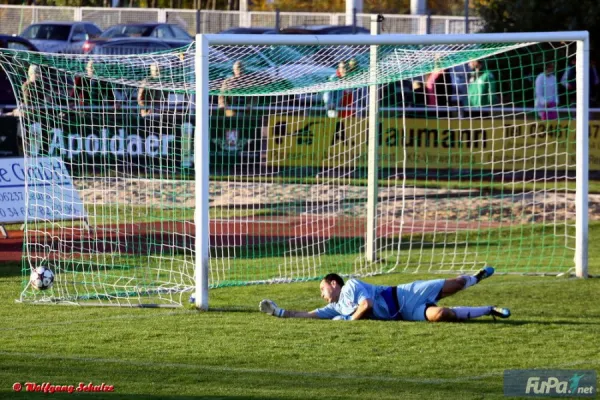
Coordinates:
240 353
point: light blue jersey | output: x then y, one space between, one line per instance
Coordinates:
413 300
352 294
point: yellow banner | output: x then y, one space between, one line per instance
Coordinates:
501 144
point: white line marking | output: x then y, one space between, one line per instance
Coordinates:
323 375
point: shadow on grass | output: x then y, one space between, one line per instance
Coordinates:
248 310
473 388
516 322
25 395
8 269
306 246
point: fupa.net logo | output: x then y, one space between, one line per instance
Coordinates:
550 383
553 385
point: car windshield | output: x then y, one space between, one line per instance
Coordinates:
128 31
47 32
282 54
260 56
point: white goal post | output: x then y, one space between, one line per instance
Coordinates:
252 159
204 42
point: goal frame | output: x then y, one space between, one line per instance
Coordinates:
202 139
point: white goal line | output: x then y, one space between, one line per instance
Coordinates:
263 371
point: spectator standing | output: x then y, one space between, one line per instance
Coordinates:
437 88
35 89
568 83
481 89
37 104
546 93
335 99
233 82
352 66
150 100
345 102
89 91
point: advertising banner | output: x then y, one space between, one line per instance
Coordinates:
90 140
507 144
50 195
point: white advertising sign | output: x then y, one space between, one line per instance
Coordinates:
52 196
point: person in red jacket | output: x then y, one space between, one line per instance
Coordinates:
89 90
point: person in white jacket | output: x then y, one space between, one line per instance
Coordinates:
546 93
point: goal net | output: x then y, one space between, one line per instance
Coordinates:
476 164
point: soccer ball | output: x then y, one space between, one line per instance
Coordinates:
42 278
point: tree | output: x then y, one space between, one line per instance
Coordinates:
449 7
386 6
338 6
541 16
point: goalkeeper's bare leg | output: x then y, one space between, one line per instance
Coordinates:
456 314
455 285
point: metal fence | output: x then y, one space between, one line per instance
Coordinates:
13 19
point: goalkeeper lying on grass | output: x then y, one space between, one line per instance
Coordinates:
415 301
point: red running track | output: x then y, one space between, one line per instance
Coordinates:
141 238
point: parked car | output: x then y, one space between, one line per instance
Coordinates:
134 45
61 37
325 30
148 30
140 70
7 96
255 30
279 61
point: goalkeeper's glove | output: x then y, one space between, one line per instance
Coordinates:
269 307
